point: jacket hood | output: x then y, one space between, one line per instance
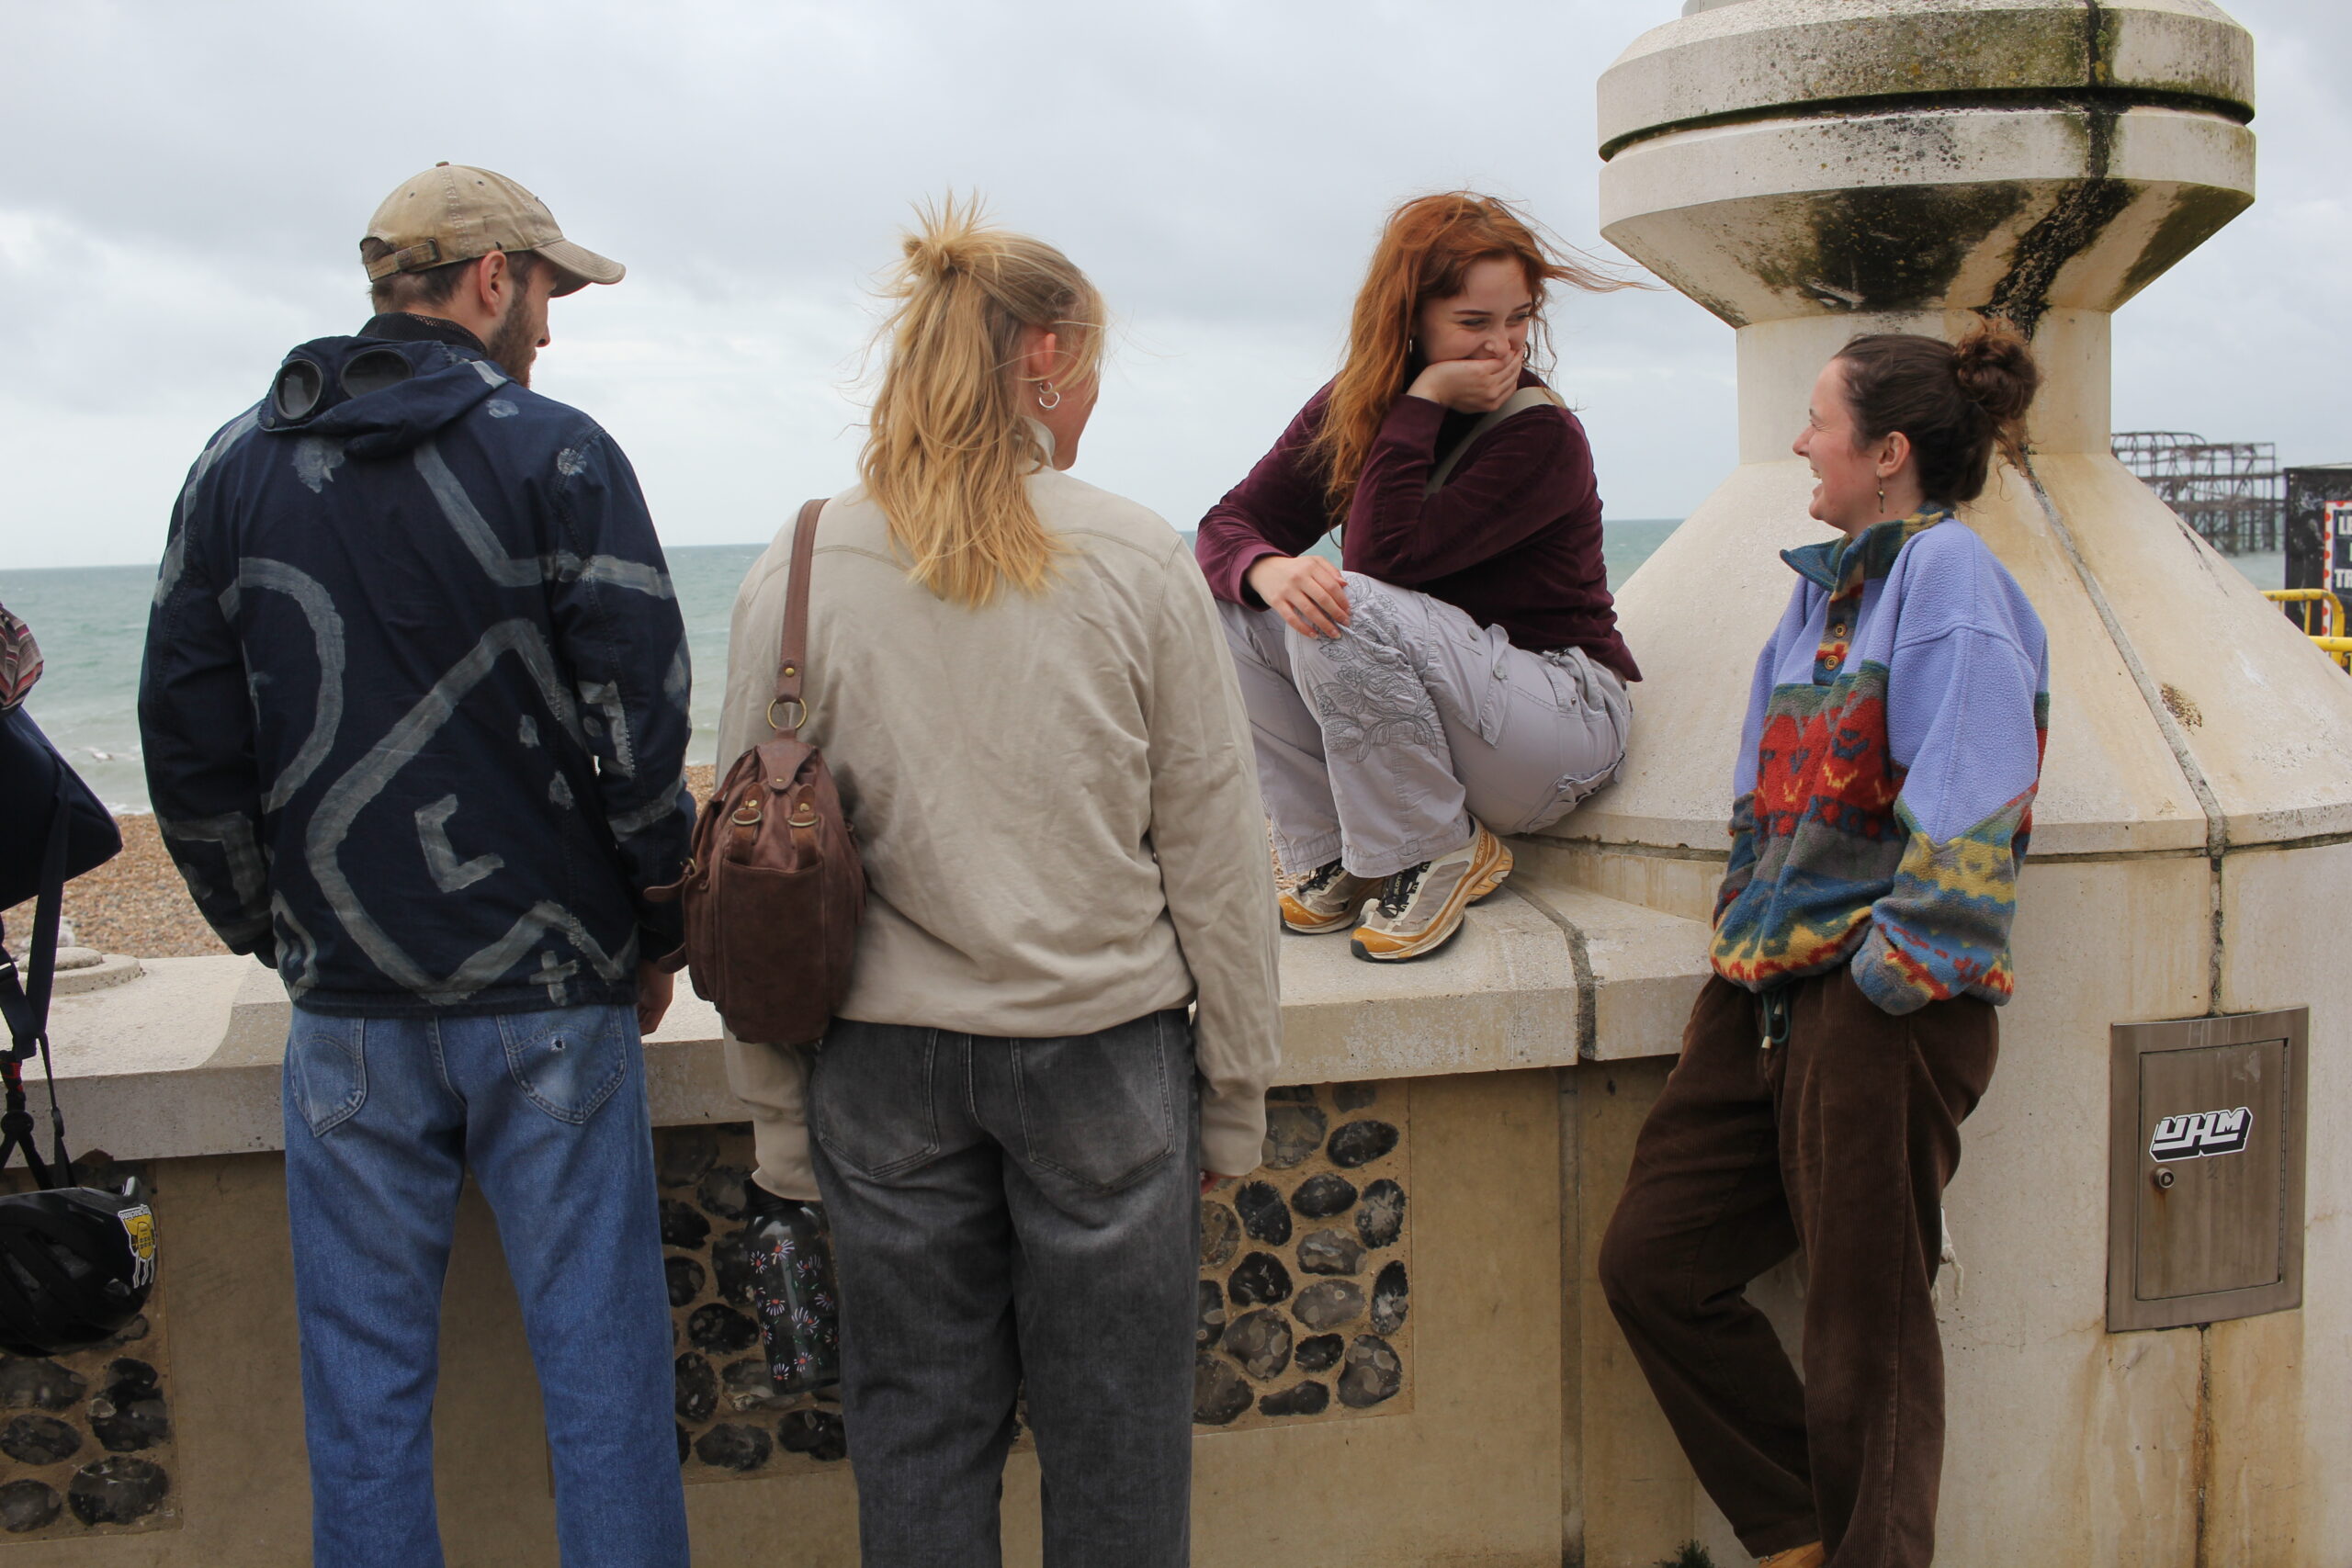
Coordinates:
376 397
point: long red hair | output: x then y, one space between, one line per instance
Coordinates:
1425 253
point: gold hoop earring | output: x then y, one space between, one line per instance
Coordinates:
1049 399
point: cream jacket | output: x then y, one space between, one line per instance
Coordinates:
1055 797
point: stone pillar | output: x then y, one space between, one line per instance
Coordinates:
1811 169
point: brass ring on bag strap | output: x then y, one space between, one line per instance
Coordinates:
795 702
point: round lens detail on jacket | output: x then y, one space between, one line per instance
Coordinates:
300 382
374 370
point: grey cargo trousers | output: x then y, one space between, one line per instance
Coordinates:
1379 746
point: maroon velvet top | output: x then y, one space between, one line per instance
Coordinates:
1513 538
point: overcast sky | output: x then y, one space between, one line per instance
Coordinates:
184 186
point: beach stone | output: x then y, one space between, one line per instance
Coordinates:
720 1190
39 1439
1292 1132
682 1226
117 1491
817 1433
1373 1373
751 1385
1260 1341
1361 1143
1320 1197
1388 1298
721 1330
1329 1305
1382 1219
1219 1394
131 1334
26 1505
1320 1352
686 1278
1355 1096
684 1154
1259 1279
1305 1399
1329 1252
730 1447
730 1263
1263 1213
696 1398
27 1383
1220 1234
1209 1321
130 1415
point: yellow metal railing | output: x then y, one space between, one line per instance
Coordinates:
2330 638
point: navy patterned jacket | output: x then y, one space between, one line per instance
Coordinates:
414 700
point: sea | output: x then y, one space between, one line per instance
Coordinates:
92 621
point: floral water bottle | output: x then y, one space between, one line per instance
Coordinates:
792 1288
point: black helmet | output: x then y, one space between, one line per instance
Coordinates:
75 1265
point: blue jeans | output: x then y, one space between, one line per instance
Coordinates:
1010 1213
384 1117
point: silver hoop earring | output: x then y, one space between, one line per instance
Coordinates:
1048 398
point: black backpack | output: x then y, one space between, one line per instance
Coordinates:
76 1262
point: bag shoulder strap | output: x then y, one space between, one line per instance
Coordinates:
1517 404
25 1005
792 657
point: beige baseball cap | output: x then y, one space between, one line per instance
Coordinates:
452 212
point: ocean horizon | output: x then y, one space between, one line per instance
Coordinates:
91 621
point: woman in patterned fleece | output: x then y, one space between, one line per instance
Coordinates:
1464 671
1882 798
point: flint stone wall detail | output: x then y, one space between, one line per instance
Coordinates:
1305 1266
1305 1292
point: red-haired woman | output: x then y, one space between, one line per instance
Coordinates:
1460 670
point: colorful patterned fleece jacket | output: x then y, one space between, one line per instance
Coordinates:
1887 771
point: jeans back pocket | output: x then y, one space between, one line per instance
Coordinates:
568 1061
871 1096
326 1069
1099 1109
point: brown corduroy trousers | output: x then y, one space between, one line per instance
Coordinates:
1838 1142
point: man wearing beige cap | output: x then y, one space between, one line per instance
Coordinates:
414 711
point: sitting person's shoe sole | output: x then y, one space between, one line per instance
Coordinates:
1428 912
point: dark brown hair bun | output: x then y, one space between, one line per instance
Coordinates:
1995 371
1956 403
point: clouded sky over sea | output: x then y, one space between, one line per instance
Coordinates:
184 186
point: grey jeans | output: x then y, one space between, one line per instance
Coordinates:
1011 1212
1380 745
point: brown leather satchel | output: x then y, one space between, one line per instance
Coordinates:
773 890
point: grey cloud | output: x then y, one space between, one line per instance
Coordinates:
1220 166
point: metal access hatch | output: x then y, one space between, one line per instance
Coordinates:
2205 1216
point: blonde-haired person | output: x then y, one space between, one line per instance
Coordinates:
1020 683
1460 670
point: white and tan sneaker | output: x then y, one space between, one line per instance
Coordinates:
1420 909
1325 900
